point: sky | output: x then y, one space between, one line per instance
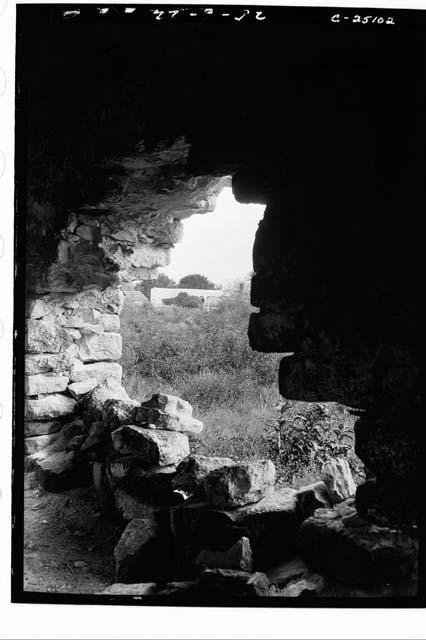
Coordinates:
218 244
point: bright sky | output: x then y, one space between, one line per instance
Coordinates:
218 244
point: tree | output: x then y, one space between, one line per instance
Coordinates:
195 281
185 300
162 281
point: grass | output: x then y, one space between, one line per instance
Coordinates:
204 357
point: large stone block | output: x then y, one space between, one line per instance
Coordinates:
34 444
50 362
79 389
95 371
170 404
156 419
144 551
338 480
46 337
192 471
354 551
49 407
94 401
153 484
45 383
240 484
151 446
116 413
42 428
104 346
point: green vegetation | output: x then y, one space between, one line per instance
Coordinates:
205 358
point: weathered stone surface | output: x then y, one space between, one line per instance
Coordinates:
104 346
153 484
79 389
116 413
35 444
192 471
219 584
154 447
95 371
56 363
238 556
312 497
49 407
287 571
143 552
110 321
42 428
240 484
357 552
45 383
156 419
306 587
46 337
338 480
170 404
58 471
94 401
129 507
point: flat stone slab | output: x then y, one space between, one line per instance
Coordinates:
354 551
42 428
239 484
191 473
100 346
153 447
45 383
35 444
170 404
156 419
49 407
95 371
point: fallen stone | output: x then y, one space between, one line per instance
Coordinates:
116 413
306 587
49 407
42 428
45 383
153 447
239 484
338 480
156 419
130 507
104 346
46 337
58 472
170 404
143 552
38 443
79 389
366 555
312 497
224 584
239 556
191 473
93 402
98 371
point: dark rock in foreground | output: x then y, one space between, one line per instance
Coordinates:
239 484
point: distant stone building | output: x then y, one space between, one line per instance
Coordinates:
209 297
